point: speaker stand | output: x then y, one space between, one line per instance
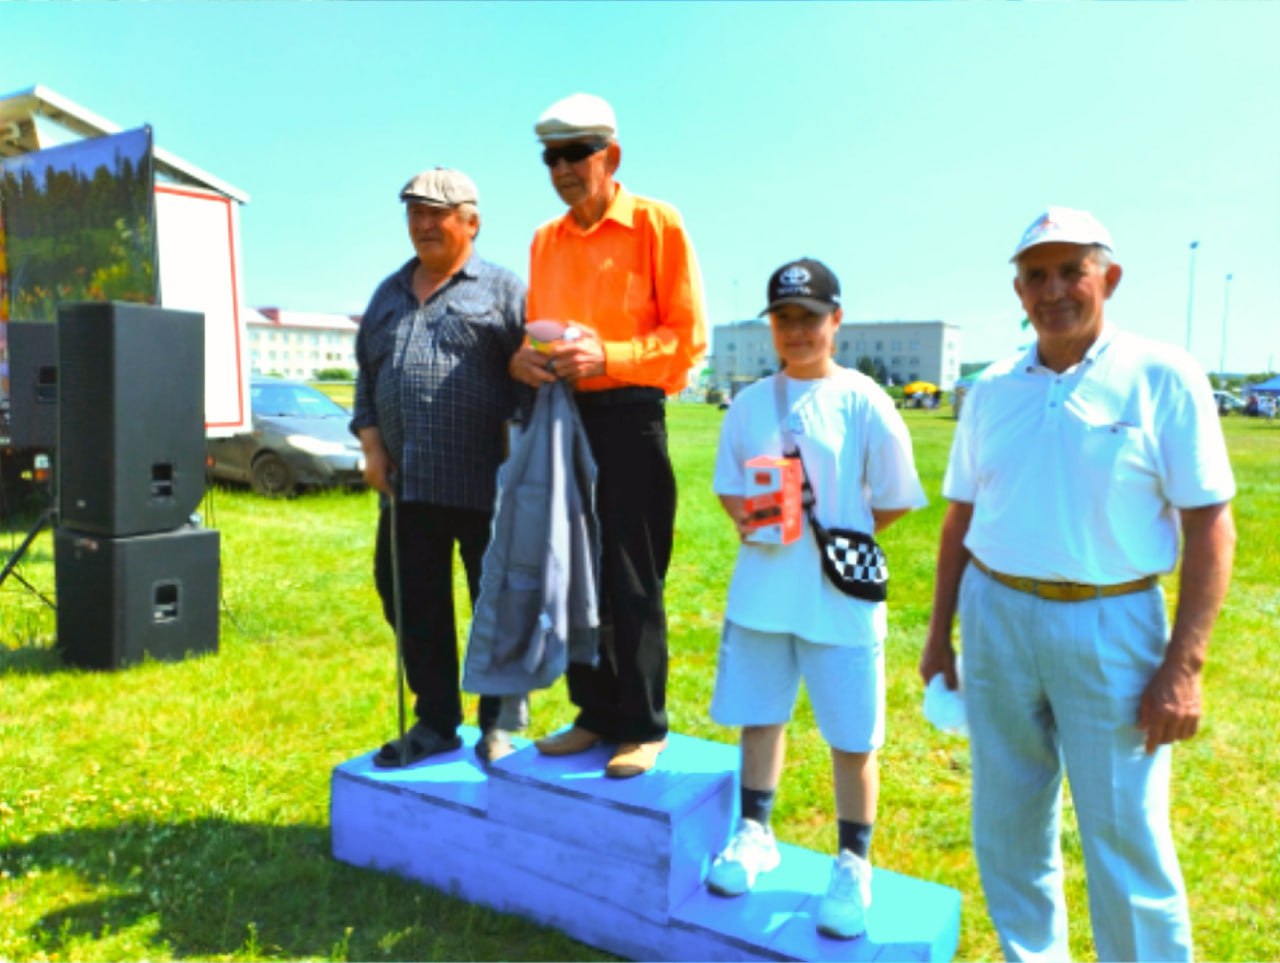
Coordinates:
45 520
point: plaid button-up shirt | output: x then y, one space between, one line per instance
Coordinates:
433 379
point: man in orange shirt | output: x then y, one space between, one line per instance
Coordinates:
622 270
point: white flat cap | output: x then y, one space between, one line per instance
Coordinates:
1064 225
441 187
575 117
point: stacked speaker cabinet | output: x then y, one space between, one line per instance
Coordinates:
134 576
130 417
33 384
123 599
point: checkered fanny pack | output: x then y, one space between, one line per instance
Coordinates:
852 561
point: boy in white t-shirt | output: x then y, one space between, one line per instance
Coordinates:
784 619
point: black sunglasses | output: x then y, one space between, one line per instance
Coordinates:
578 150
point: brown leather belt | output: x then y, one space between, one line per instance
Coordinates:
1066 591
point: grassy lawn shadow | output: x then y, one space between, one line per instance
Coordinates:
216 888
209 884
30 659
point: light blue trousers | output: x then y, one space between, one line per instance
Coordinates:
1054 685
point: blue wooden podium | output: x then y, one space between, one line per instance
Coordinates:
615 863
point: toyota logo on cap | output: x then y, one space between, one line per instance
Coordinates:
794 277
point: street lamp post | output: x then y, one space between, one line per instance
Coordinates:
1222 353
1191 286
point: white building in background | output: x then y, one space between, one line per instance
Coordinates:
297 344
903 351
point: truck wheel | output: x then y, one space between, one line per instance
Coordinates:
270 476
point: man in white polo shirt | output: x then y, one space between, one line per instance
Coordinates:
1075 468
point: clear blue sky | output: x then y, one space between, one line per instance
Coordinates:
905 144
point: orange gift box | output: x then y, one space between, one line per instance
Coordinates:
772 499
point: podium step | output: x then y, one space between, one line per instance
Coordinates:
615 863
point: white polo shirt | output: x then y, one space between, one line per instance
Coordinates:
1078 476
857 454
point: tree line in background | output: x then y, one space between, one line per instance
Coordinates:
1238 382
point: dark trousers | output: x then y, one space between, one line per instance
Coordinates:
429 634
624 697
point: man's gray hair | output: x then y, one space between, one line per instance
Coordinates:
471 214
1099 253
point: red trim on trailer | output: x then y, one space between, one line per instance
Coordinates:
235 292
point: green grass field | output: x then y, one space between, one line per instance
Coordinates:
178 811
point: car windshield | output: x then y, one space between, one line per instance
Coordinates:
294 401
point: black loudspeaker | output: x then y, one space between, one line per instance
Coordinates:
130 441
121 599
33 384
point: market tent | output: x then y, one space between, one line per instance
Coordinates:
920 387
1269 387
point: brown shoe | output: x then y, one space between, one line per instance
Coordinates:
567 743
634 758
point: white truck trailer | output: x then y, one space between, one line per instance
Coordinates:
197 219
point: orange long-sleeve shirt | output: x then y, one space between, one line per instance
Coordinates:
632 277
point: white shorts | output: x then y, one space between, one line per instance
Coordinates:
758 677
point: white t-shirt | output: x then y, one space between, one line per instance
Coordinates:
1078 476
857 455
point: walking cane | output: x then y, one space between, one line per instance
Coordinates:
397 605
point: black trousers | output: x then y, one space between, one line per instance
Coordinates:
429 634
624 698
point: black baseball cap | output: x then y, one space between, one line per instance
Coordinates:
806 282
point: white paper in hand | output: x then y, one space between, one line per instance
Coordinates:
944 707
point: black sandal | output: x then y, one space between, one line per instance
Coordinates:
422 742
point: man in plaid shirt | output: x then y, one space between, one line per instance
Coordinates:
432 395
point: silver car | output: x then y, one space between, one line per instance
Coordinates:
1227 402
299 439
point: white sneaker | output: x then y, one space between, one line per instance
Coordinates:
842 912
750 852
